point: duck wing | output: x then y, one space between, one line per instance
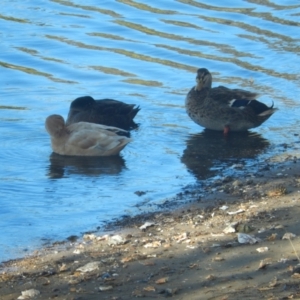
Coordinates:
227 96
238 98
87 140
95 139
115 107
86 126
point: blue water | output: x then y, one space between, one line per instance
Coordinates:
143 53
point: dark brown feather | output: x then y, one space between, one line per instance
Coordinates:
106 112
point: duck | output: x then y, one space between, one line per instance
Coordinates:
224 109
83 138
108 112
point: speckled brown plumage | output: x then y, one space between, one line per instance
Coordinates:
224 109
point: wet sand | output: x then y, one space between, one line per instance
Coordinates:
183 253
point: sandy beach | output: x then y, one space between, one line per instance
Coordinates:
239 241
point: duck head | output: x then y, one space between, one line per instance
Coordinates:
83 103
55 125
203 79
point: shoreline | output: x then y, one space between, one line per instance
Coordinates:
183 253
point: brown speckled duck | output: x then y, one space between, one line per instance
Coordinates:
106 112
224 109
84 139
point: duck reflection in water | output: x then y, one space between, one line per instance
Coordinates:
207 151
62 166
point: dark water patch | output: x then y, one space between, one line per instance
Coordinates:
146 7
64 166
186 24
217 8
205 151
13 19
236 61
268 3
247 11
113 71
111 36
225 48
88 8
130 54
33 71
250 28
12 107
34 52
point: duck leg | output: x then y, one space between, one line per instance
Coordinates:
226 130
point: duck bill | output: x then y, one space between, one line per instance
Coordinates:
199 84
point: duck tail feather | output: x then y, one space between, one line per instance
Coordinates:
270 111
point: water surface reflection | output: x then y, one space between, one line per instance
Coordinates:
137 52
62 166
208 149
